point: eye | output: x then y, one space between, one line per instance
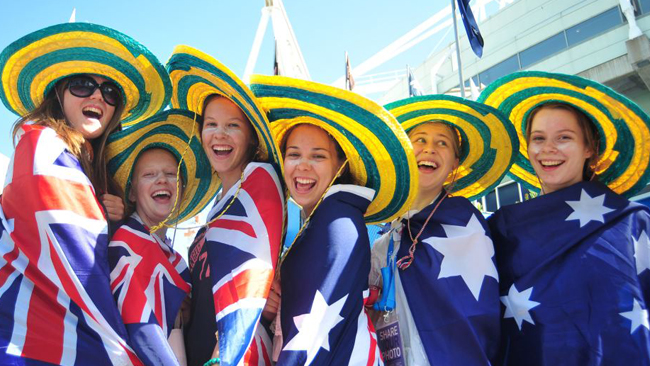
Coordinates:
148 174
210 124
233 125
565 137
293 155
537 138
420 140
442 143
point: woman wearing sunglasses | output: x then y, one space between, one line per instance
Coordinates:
72 84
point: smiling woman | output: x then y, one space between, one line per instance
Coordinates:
572 262
70 85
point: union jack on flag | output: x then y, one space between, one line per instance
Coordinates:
148 278
55 301
243 246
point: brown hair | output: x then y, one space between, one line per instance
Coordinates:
253 152
50 114
346 175
589 132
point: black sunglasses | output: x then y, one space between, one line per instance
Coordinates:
85 86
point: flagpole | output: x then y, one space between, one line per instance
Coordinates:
347 80
461 84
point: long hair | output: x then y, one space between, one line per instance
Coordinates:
589 132
91 154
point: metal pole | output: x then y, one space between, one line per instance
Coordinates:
461 84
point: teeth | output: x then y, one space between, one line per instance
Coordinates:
93 110
305 180
428 163
551 162
162 193
221 148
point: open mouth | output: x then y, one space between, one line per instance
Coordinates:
92 112
162 196
550 164
222 150
304 185
426 166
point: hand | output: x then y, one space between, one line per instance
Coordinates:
273 301
114 206
186 309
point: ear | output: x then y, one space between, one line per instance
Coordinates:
132 193
456 163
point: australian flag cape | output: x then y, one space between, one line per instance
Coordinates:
242 247
56 306
575 279
452 285
149 279
324 282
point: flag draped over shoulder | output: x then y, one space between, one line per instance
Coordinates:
452 285
325 283
242 250
575 278
148 278
56 305
473 33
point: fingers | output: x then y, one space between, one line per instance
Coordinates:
114 206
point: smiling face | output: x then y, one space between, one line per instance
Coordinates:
435 151
310 164
228 138
557 148
89 115
153 185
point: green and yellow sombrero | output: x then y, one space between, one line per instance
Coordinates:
174 130
379 153
196 75
488 139
32 65
623 128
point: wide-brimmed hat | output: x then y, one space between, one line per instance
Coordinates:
488 141
379 153
623 128
32 65
196 75
177 132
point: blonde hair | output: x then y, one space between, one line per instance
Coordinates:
91 154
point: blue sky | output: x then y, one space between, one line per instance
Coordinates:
226 29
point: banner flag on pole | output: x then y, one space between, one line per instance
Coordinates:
473 33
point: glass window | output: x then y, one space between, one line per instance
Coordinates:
503 68
491 202
542 50
594 26
508 194
642 6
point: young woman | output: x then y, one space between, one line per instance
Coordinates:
345 157
232 261
437 260
149 279
55 300
573 262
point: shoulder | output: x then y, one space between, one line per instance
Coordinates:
131 229
344 201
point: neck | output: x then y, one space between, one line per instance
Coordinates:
425 197
160 232
228 180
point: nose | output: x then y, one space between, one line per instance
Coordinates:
429 148
549 146
303 165
97 94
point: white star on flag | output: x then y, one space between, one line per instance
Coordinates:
588 209
638 316
314 327
467 253
518 305
642 252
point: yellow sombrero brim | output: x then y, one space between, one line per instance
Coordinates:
624 129
175 131
379 153
196 75
32 65
488 139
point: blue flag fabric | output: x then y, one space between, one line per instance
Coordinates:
325 283
452 285
415 90
473 33
575 281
